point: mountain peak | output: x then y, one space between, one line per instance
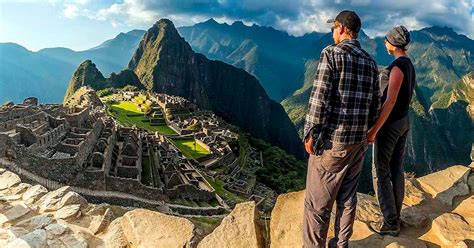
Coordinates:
86 74
163 26
87 65
136 32
164 23
239 24
161 41
441 31
211 21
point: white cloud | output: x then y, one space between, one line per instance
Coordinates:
71 11
296 16
81 2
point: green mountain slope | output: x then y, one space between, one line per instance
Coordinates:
274 57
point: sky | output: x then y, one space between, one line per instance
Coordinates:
82 24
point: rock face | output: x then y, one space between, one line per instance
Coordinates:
448 226
166 231
239 229
8 179
86 74
30 216
164 62
286 227
447 184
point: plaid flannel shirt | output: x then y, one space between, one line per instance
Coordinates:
345 100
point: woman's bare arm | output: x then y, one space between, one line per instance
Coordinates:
394 84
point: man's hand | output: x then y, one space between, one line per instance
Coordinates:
308 144
371 135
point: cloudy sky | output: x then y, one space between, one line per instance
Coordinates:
81 24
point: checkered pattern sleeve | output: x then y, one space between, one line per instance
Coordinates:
320 94
375 104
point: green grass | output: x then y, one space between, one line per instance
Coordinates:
212 221
205 225
128 114
186 146
218 186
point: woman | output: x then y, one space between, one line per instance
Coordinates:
390 131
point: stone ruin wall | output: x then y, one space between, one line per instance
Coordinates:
189 191
50 137
77 119
63 170
16 112
205 211
134 187
111 140
11 123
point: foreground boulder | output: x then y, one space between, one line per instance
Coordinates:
34 193
30 216
8 179
367 208
414 195
286 225
145 228
449 229
239 229
466 210
447 184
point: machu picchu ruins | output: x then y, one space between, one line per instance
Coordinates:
139 148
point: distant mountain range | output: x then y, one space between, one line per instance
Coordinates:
274 57
278 60
45 73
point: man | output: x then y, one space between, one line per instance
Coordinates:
344 103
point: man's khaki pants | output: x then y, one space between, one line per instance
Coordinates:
333 176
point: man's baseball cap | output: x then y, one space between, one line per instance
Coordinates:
348 19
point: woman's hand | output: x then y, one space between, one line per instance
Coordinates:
308 144
371 135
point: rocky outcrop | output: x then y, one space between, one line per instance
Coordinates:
83 97
447 184
428 214
451 228
8 179
31 216
166 231
86 74
286 227
239 229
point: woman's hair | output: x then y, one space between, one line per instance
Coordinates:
404 48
